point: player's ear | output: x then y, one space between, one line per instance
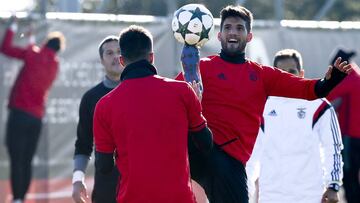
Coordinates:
249 37
219 36
302 73
151 57
121 61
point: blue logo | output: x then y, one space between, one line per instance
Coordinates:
253 76
272 113
221 76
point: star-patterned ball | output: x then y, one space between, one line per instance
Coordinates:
193 24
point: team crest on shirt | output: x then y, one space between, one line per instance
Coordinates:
221 76
301 113
253 76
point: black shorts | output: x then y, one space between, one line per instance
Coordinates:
222 177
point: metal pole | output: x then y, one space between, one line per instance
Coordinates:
171 6
279 9
323 11
240 2
43 8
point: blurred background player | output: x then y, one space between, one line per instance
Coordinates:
27 102
346 100
297 155
104 185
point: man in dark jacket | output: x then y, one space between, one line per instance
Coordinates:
104 185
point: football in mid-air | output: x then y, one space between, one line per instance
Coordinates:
193 24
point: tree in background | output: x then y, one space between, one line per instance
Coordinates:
345 10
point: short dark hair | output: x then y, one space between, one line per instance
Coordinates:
237 11
106 40
55 41
136 43
289 54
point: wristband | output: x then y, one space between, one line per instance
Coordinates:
334 186
78 176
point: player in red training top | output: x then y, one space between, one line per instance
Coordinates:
346 99
146 120
235 92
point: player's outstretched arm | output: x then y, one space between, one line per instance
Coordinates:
334 76
7 46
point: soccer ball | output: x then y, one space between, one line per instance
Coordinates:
193 24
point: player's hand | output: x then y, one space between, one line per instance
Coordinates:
330 196
343 67
12 19
79 193
12 23
197 88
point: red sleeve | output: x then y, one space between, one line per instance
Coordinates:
320 111
195 117
342 88
283 84
102 135
180 77
9 49
335 93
